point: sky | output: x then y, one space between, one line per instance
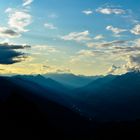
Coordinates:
92 37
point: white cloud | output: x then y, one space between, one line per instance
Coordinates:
77 36
85 56
53 15
45 49
136 30
27 2
19 20
87 12
8 10
137 42
109 11
50 26
98 37
91 44
86 53
115 30
133 63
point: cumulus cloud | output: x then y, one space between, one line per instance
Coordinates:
109 11
77 36
27 2
129 55
50 26
19 20
8 33
9 55
87 12
115 30
133 63
136 30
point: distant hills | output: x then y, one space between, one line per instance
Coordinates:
71 80
103 104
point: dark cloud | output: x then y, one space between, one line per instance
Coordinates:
10 32
125 50
63 71
117 42
46 67
2 69
7 32
9 55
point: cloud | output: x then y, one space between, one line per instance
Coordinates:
87 12
82 55
116 42
53 15
77 36
128 48
136 30
50 26
109 11
27 2
8 10
133 63
44 49
115 30
53 69
129 56
137 42
113 69
9 55
63 71
19 20
106 44
98 37
85 56
86 53
8 33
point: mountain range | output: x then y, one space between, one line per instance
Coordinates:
32 102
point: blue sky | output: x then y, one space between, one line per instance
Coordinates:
83 37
